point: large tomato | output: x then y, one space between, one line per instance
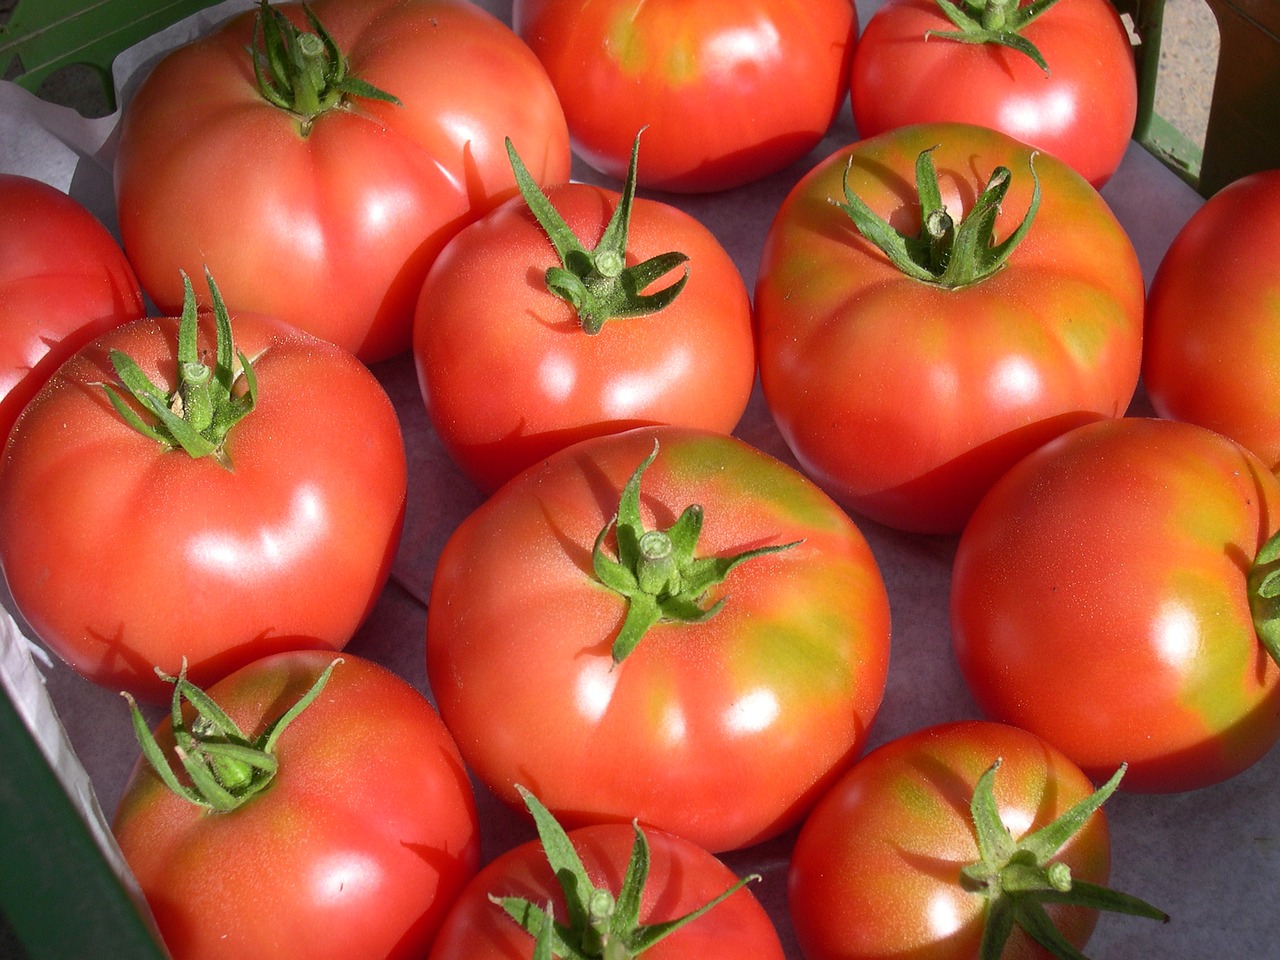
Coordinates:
731 90
329 215
352 849
608 884
125 553
940 834
1212 348
1079 104
63 281
511 372
1101 598
907 394
539 661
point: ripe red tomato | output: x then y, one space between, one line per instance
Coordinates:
331 223
1081 108
879 868
905 396
510 372
1100 599
355 849
730 90
124 554
773 694
63 281
1212 342
594 866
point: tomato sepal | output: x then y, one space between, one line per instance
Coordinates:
601 925
656 570
304 73
994 21
1264 596
1019 876
945 253
203 408
597 283
226 768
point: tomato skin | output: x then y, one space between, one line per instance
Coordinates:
356 849
509 376
1099 600
875 872
906 400
63 281
334 230
760 81
775 694
682 878
288 548
1212 348
1082 112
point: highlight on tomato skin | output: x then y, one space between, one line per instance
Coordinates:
1114 594
768 679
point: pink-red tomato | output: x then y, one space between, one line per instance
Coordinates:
682 878
906 399
63 281
875 872
1212 342
773 695
354 851
509 375
1082 111
331 223
729 90
123 554
1100 599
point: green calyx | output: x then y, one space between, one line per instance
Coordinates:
200 412
1264 596
304 73
994 21
945 253
1019 877
598 283
656 570
225 767
602 924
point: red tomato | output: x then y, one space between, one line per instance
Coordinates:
356 848
124 554
331 223
508 370
1100 599
774 694
730 90
63 281
876 872
1212 347
1081 109
682 878
907 398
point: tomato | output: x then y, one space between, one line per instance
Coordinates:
63 281
355 848
890 862
125 553
1212 347
330 222
730 91
1100 598
635 881
1079 105
605 706
906 396
511 371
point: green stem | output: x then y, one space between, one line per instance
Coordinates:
997 22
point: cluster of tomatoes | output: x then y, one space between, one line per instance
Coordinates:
661 641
